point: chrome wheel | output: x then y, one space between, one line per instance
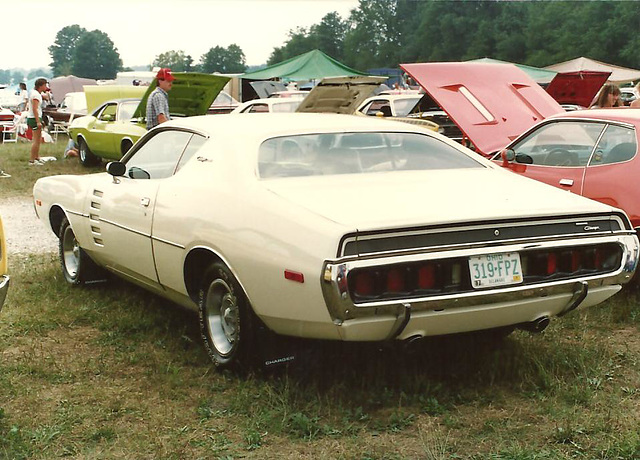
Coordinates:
70 253
222 316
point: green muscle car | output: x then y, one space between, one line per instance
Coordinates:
117 117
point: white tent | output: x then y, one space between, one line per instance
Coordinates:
618 74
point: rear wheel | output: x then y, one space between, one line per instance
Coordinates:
225 317
86 157
77 266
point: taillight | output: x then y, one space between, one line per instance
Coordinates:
552 263
364 283
395 280
426 277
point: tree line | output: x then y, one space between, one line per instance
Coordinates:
385 33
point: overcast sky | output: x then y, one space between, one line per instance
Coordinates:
142 29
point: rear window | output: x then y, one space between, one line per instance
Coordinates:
357 153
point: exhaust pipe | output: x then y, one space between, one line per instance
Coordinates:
536 326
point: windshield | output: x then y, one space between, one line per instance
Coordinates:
357 153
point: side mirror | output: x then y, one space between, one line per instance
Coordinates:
507 155
106 118
116 168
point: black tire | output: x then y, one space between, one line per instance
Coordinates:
77 266
86 157
226 318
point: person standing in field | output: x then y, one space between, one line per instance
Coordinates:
34 120
158 102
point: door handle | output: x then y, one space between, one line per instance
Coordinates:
145 202
567 182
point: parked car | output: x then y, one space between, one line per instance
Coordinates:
628 95
223 103
346 95
411 106
269 105
4 277
115 125
261 226
73 105
593 153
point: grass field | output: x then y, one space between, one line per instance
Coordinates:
109 371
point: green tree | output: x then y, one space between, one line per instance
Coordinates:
95 56
63 48
224 60
176 60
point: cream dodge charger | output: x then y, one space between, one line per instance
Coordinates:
334 227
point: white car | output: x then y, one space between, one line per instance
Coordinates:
270 105
334 227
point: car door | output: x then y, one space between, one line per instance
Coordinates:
121 209
557 153
611 175
99 139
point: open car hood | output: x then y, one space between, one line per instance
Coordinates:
340 94
577 87
98 95
192 94
265 88
492 104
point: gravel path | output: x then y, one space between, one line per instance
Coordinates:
24 232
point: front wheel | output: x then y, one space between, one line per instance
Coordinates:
225 317
77 266
86 157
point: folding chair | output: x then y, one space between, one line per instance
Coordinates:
9 133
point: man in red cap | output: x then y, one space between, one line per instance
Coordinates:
158 102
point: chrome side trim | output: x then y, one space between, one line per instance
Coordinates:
170 243
124 227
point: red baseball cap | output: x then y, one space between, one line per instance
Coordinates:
165 74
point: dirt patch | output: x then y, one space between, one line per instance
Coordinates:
24 232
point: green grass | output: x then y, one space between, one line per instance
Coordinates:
14 160
110 371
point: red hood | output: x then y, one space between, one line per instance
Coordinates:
492 104
577 87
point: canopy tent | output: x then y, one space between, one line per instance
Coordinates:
308 66
540 76
60 86
618 74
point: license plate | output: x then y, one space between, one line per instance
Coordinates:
495 270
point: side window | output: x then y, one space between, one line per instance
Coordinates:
617 144
559 144
375 107
158 157
258 108
192 147
108 113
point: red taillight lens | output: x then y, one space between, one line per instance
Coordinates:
599 258
552 263
395 280
426 277
364 284
575 260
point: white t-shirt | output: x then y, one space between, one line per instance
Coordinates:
35 94
24 96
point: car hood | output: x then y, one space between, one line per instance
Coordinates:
192 94
340 94
578 88
98 95
492 104
265 89
406 199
